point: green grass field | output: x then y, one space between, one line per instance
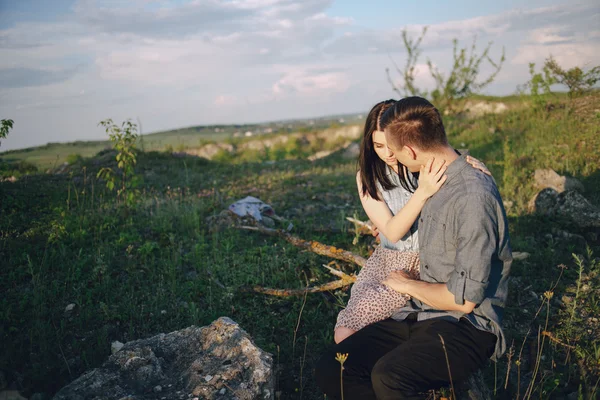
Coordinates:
158 267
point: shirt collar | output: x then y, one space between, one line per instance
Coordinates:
456 166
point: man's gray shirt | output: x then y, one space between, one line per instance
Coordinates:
463 240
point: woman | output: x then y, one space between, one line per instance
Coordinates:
392 200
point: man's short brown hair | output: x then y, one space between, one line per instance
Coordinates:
414 121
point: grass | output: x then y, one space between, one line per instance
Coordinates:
158 267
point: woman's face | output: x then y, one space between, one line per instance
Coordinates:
382 149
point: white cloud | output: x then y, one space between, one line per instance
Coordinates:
311 82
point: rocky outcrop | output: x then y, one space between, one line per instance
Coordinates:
548 178
332 136
210 150
569 204
218 361
480 108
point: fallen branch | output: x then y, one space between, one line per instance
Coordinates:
314 246
345 280
362 228
556 340
340 283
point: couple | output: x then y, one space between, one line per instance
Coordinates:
454 288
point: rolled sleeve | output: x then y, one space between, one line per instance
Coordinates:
464 288
476 233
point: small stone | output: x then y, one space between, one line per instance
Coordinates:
222 391
163 312
116 346
520 256
157 389
208 378
70 308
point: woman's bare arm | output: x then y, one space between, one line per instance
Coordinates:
395 227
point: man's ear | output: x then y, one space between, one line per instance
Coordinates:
410 152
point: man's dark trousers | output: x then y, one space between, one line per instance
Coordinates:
402 359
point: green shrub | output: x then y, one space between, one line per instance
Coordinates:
74 158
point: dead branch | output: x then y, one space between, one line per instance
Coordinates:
345 280
312 245
556 340
340 283
362 228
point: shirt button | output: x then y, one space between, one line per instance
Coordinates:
462 273
421 220
426 266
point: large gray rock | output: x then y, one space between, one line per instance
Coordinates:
570 204
218 361
548 178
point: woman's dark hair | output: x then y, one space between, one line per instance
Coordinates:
373 169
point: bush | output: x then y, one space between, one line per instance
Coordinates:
575 79
462 81
17 169
74 158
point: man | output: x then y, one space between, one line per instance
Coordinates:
457 305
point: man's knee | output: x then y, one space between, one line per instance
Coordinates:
327 374
391 381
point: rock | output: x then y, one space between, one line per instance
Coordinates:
520 256
543 202
481 108
548 178
180 362
11 179
11 395
569 204
116 346
567 237
69 309
573 205
210 150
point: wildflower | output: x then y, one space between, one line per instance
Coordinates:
341 358
548 295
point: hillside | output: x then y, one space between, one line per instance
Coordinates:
52 155
164 263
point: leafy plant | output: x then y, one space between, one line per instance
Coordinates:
463 79
126 181
539 85
5 126
575 78
408 74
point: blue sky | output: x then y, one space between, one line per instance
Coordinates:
67 64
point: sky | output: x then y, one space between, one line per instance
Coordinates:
65 65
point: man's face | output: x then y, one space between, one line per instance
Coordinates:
405 155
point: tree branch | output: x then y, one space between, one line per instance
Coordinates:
313 246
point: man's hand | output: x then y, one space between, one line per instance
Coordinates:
398 281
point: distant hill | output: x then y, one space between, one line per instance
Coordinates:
53 154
